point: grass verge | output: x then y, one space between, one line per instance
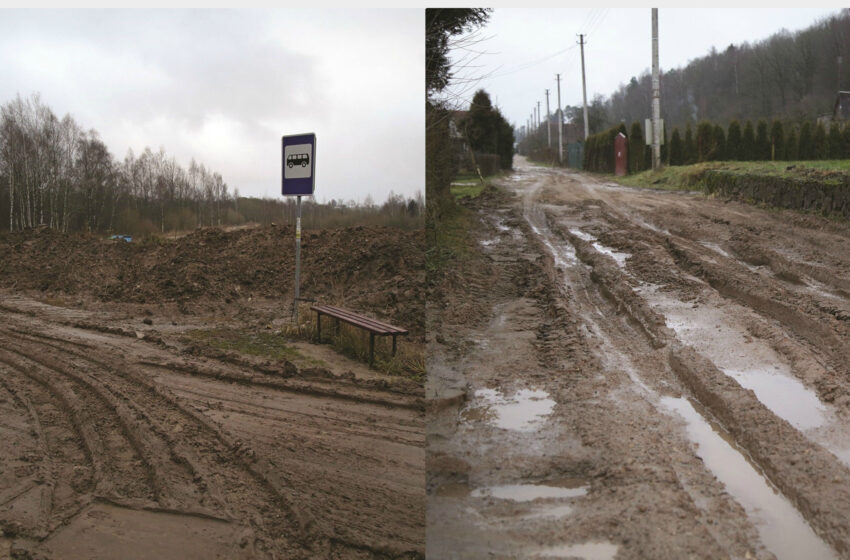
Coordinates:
689 177
353 342
264 344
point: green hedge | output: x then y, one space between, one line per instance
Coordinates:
826 197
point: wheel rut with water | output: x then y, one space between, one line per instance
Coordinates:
677 359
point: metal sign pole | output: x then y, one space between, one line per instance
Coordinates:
298 164
297 261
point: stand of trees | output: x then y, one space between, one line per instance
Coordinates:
54 173
487 130
443 28
788 76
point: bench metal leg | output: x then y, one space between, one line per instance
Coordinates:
393 345
371 349
319 326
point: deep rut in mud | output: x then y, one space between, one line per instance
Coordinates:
117 438
692 357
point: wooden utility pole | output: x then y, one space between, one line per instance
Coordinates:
656 96
560 123
548 121
583 86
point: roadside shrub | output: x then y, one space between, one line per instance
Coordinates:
762 150
733 141
777 140
690 150
845 136
805 150
791 146
836 142
488 163
637 147
675 148
748 143
705 141
719 143
820 144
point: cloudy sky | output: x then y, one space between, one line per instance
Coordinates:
521 50
224 86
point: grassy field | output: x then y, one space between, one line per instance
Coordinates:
687 177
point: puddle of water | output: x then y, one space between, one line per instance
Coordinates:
524 411
488 242
587 551
753 365
782 528
564 255
452 490
582 235
785 395
619 257
551 512
648 225
716 248
528 492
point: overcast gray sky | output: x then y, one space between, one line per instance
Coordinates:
224 86
523 48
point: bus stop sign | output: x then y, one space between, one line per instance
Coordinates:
299 165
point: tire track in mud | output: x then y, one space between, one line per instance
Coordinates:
639 500
633 349
171 463
227 475
770 440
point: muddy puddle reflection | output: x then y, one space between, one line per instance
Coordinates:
751 362
782 528
528 492
585 551
618 256
523 411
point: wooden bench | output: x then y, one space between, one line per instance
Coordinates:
375 327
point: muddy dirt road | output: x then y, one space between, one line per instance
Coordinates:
640 374
114 443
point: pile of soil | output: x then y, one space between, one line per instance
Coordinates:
377 270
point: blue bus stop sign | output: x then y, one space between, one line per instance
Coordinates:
299 165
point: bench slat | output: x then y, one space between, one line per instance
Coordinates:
372 325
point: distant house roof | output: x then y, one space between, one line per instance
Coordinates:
841 109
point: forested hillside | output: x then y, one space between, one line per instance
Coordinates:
788 76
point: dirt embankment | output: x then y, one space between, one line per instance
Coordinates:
375 270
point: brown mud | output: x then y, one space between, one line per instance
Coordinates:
681 360
122 436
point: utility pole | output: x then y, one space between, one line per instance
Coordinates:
583 86
548 121
539 117
839 72
560 123
656 96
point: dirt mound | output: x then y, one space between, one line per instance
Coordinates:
376 270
